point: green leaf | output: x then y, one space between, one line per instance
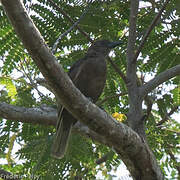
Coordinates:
176 95
11 88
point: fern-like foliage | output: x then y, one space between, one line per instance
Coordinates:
103 20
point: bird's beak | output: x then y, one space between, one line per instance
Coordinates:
114 44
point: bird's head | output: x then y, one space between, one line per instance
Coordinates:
103 47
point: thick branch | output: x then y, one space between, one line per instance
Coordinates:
159 79
85 131
43 115
131 67
135 114
125 141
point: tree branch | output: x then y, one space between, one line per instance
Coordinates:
104 158
131 67
88 38
135 113
175 161
151 27
44 115
99 103
70 19
85 131
159 79
44 83
149 102
71 28
133 151
174 109
122 75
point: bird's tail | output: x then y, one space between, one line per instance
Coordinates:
61 139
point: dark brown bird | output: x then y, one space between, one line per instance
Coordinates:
88 75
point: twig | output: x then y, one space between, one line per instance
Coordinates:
149 103
70 29
118 70
175 160
31 81
175 108
151 27
70 19
170 130
104 158
110 97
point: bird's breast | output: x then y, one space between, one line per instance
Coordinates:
91 80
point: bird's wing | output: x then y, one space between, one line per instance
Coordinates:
76 69
65 119
73 73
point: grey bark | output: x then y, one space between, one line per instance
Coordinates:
132 149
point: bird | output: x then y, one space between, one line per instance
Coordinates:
88 75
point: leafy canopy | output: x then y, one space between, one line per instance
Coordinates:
107 20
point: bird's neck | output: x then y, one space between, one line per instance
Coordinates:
92 53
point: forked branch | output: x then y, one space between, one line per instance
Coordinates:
151 27
159 79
